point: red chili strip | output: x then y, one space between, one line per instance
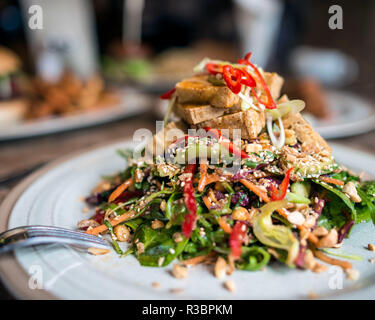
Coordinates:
237 237
227 144
232 77
190 203
270 104
277 195
167 95
214 68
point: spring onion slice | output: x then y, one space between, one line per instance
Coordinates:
277 142
342 255
171 102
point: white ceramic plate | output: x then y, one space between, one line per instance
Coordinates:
131 103
351 115
51 197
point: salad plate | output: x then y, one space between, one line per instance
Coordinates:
52 196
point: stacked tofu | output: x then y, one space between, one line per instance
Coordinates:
202 104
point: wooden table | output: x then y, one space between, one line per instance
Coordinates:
21 155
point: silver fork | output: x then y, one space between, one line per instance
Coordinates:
33 235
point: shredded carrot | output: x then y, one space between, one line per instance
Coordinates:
207 202
115 221
259 192
224 225
195 260
343 264
263 195
212 178
203 179
332 180
120 189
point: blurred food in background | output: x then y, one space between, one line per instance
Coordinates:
310 91
159 72
12 83
69 95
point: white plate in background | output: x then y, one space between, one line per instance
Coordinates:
131 103
351 115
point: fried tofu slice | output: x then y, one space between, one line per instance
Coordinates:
165 137
194 114
198 90
250 122
311 141
274 83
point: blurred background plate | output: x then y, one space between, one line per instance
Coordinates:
51 197
349 115
131 103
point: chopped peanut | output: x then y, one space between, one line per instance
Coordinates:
157 224
179 272
350 189
240 213
230 285
329 240
371 247
122 233
320 231
97 251
220 268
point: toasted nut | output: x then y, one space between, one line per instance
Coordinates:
318 268
87 223
140 247
157 224
138 175
320 231
352 274
219 187
97 251
329 240
229 285
296 217
163 205
350 189
220 268
177 237
240 213
290 137
179 272
122 233
371 247
253 147
156 284
309 261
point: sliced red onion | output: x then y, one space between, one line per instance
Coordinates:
344 230
236 197
300 260
219 195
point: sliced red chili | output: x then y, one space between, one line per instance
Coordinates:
226 143
214 68
270 104
277 195
237 237
167 95
232 77
190 203
247 79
